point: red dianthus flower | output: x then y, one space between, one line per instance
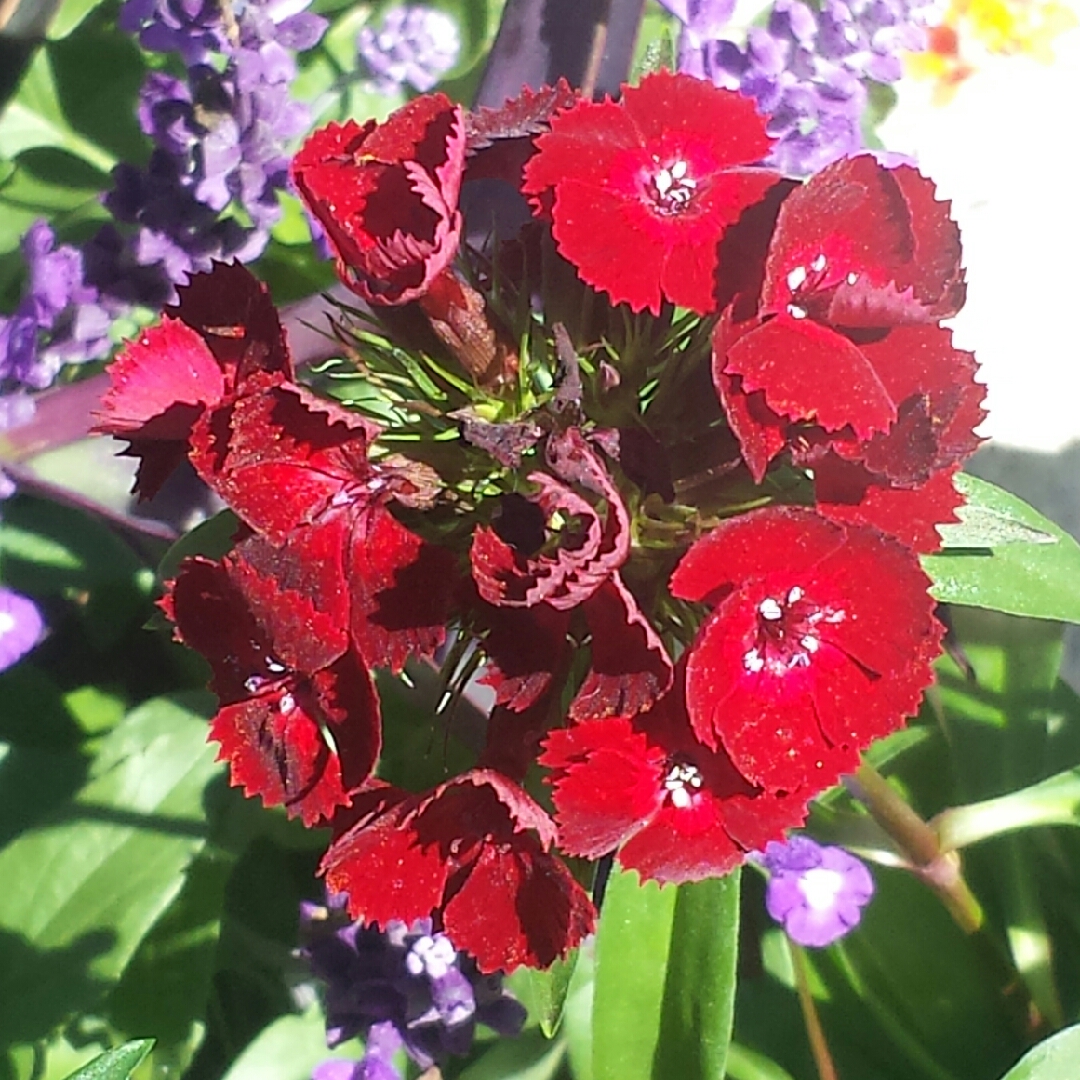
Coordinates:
641 191
676 810
387 196
475 854
820 640
298 716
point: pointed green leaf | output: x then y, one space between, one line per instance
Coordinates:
699 990
544 992
1006 556
116 1064
632 947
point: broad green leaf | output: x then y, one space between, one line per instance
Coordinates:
746 1064
116 1064
1006 556
46 549
288 1049
166 986
1057 1058
544 992
70 15
530 1056
699 988
632 946
84 886
35 117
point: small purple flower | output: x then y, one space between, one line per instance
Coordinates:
407 984
414 45
21 626
816 892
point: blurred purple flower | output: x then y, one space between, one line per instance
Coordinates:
816 892
414 45
21 626
409 978
807 67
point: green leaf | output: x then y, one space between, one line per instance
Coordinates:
699 989
544 992
84 886
1006 556
166 986
35 117
664 990
746 1064
116 1064
632 946
288 1049
1054 1059
71 15
212 538
530 1056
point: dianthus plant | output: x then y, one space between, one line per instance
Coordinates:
656 471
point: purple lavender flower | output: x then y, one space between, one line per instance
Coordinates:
410 978
59 319
807 68
816 892
414 45
380 1046
21 626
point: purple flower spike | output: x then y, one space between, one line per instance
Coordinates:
21 626
405 988
816 892
414 46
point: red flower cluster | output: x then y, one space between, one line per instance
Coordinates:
687 674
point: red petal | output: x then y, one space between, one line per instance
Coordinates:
400 589
671 107
810 372
159 385
381 864
607 782
846 492
518 906
629 666
863 245
524 646
232 311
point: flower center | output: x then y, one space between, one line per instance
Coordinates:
805 282
821 887
788 632
681 782
7 623
671 187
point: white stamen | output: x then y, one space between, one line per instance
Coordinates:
274 667
810 644
796 312
678 170
681 782
753 661
663 181
796 277
287 703
852 278
819 263
770 609
795 594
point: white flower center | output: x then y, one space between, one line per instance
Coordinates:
7 623
821 887
671 186
681 782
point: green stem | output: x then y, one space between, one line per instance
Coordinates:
815 1033
939 868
